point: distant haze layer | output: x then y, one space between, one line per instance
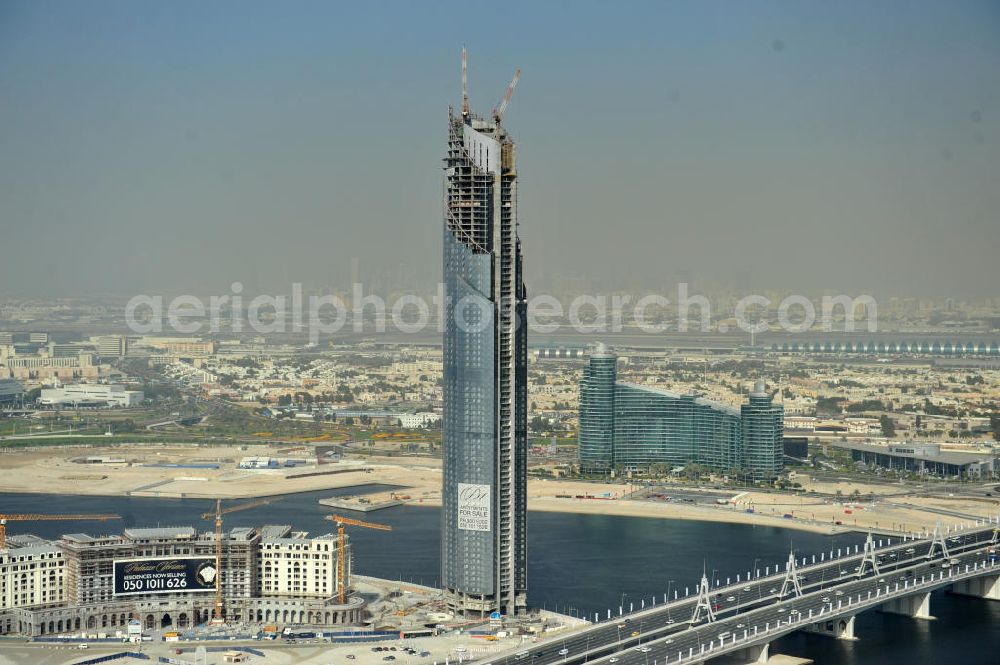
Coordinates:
852 146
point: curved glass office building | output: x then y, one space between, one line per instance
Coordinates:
628 426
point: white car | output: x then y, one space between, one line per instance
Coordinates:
645 649
826 599
564 651
731 599
612 660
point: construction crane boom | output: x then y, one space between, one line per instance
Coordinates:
341 547
353 522
4 518
498 111
233 509
217 614
465 83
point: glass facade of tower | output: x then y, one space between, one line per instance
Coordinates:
483 534
597 417
658 427
763 425
627 426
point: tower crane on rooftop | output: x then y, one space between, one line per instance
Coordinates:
4 518
217 614
465 83
500 108
341 522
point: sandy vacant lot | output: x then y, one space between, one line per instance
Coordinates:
58 471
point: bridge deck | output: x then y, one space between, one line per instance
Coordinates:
750 613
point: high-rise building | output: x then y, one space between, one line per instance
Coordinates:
763 433
483 546
597 409
627 426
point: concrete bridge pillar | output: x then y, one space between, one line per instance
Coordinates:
917 605
756 653
987 587
752 655
840 627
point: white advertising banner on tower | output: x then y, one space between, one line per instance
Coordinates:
474 507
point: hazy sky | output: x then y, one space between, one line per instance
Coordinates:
185 145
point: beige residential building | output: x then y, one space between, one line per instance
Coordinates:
31 573
191 348
299 566
47 367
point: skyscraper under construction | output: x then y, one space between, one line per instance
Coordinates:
483 544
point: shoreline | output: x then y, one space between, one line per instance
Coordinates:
179 472
613 508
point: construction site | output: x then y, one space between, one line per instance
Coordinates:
225 595
178 576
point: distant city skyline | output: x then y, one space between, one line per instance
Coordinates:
849 146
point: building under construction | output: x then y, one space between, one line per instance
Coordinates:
266 574
483 543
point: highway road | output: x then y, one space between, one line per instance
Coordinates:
832 587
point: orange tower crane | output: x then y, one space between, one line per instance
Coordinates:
341 521
4 518
219 512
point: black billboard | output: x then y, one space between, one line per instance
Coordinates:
173 575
